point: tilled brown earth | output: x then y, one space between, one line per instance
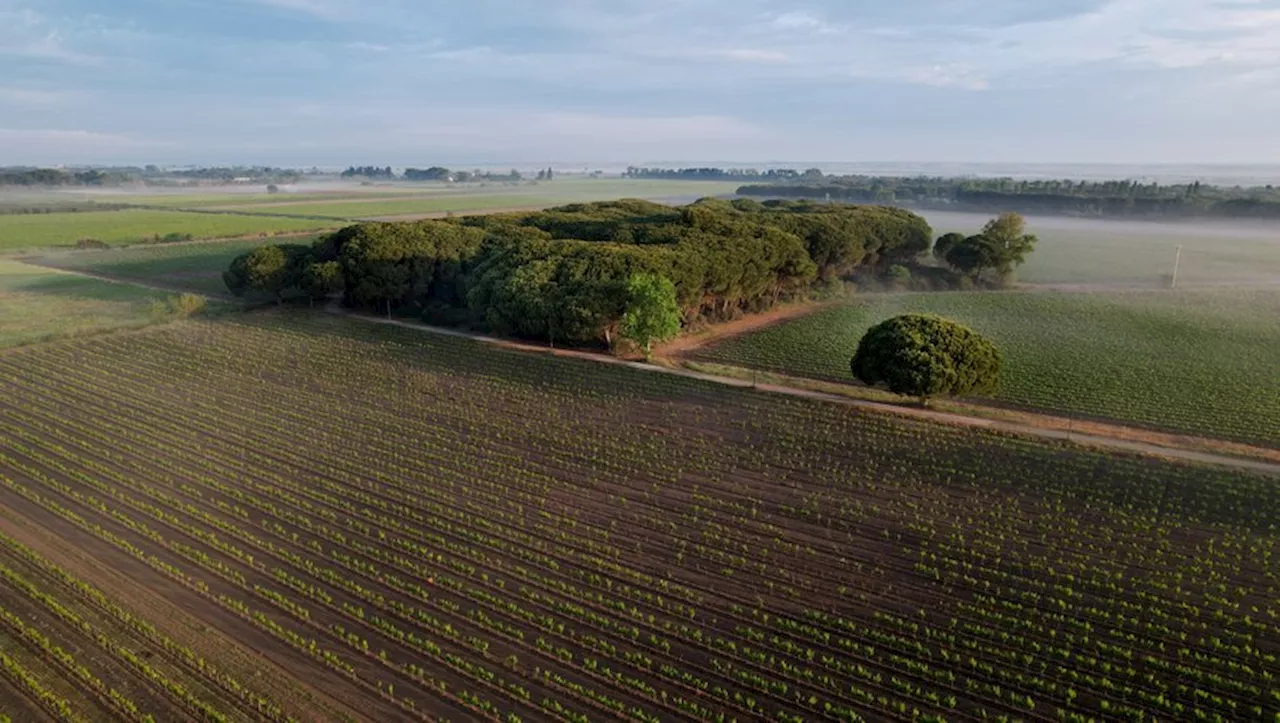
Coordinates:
354 522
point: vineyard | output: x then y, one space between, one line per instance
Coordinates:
1198 361
295 517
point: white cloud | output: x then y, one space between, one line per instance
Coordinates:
756 55
30 98
328 9
641 129
13 140
945 76
803 21
25 33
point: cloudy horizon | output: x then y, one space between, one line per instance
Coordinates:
332 82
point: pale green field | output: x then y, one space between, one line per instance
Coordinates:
465 199
352 210
32 231
570 189
193 267
42 305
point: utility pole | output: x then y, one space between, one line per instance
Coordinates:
1177 258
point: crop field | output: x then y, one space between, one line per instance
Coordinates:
462 200
32 231
40 305
1138 253
1199 361
296 516
193 267
459 203
567 188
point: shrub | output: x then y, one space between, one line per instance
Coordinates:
898 275
924 355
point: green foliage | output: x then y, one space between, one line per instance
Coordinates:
1002 245
945 243
321 279
267 269
1007 235
387 265
925 355
182 306
562 273
898 275
1054 196
652 313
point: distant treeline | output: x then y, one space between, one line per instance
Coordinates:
724 174
440 173
115 176
1077 198
560 274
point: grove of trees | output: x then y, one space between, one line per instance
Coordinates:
1002 244
368 172
925 355
151 175
1077 198
591 273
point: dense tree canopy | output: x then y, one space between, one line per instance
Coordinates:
268 269
1077 198
563 273
924 355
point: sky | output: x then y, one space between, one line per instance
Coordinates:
420 82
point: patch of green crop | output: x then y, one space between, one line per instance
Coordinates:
33 231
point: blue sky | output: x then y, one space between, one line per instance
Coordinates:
409 82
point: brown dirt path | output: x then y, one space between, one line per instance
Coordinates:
688 342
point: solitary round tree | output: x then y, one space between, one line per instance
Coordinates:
924 355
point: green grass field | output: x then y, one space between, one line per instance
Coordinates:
193 267
33 231
1197 361
41 305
